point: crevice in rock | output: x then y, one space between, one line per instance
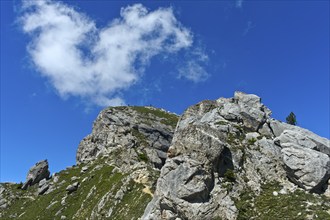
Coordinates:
270 128
225 162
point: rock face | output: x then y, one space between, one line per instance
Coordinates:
140 132
222 148
223 159
307 168
36 173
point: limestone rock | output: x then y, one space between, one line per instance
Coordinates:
221 148
308 168
3 200
224 159
304 138
36 173
73 187
147 130
245 108
294 137
43 186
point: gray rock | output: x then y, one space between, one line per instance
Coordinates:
119 195
307 168
43 186
154 157
42 182
74 178
146 129
236 135
245 108
252 136
185 189
278 127
84 169
266 131
56 178
72 188
43 189
2 201
191 183
36 173
302 137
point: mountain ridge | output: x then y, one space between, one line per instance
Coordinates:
221 159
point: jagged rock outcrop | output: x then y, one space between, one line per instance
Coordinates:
43 186
144 132
226 159
36 173
223 148
117 169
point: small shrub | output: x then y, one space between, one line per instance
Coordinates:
221 123
252 141
230 176
19 185
143 157
141 138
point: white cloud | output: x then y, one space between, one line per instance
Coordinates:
193 69
239 3
97 64
249 26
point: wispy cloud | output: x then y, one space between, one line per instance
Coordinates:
97 64
239 3
194 68
249 26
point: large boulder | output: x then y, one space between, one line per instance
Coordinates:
302 137
36 173
307 168
73 187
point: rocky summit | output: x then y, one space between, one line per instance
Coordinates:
221 159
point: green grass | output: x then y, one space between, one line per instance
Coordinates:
167 118
286 206
143 157
221 123
141 138
99 183
133 203
252 141
229 176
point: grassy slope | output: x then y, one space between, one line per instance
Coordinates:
166 118
77 206
296 205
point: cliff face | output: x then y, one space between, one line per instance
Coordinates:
226 159
147 131
226 149
115 176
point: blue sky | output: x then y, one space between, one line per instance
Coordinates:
62 62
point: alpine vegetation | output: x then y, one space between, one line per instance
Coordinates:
221 159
